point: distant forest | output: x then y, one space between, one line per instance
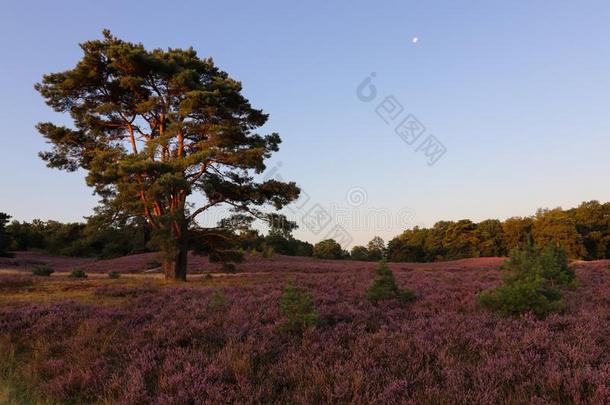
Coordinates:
583 232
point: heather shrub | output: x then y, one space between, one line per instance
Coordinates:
120 291
384 287
42 270
78 273
531 283
299 309
167 347
114 275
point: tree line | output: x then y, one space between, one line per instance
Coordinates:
583 232
100 238
94 238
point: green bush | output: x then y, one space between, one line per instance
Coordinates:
114 274
268 252
384 287
523 295
78 273
299 308
218 301
42 270
531 282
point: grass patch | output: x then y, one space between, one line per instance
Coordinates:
53 290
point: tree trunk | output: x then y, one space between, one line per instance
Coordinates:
174 264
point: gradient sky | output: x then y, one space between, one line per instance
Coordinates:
518 92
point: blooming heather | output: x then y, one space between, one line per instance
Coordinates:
169 345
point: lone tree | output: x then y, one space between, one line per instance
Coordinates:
152 128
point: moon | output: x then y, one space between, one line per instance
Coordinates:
415 40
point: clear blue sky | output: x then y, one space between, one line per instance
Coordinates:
518 92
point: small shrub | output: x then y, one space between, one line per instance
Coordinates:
268 252
42 270
78 273
406 295
384 287
207 276
114 275
218 301
299 308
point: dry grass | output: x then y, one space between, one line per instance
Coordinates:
60 287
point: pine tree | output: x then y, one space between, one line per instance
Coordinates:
384 287
299 309
151 129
